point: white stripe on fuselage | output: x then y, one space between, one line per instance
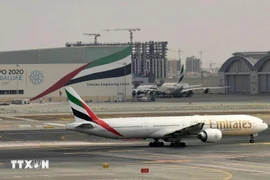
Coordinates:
144 127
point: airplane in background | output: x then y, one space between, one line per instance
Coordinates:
144 89
174 89
208 129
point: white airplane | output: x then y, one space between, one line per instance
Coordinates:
181 89
166 88
174 89
169 129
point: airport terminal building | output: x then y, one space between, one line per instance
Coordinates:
96 73
246 73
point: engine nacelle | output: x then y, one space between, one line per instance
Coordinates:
210 135
137 92
206 91
190 92
133 93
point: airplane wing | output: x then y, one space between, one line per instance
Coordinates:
193 129
173 132
146 89
193 86
203 88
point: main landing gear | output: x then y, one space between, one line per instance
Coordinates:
251 138
178 144
156 143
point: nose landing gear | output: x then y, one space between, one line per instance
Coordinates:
252 138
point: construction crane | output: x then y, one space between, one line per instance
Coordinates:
96 35
129 29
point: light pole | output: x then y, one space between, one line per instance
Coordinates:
17 92
200 52
125 81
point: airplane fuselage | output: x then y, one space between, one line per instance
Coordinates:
171 88
156 127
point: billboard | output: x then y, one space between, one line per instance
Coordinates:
104 77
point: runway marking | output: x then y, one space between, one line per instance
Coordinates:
216 170
23 119
48 127
17 176
9 138
40 145
203 178
259 143
66 119
240 169
45 145
169 161
126 150
229 175
244 167
64 137
55 175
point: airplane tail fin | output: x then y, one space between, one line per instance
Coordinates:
181 75
81 111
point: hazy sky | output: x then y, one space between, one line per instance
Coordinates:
216 27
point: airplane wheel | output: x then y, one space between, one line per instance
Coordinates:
156 144
251 141
161 144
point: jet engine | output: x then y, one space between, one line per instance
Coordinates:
210 135
189 93
133 93
206 91
137 92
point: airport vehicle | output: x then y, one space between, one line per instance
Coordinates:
169 129
173 89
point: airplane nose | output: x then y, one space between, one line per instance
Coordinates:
265 126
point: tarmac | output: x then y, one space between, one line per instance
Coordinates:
196 103
78 156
